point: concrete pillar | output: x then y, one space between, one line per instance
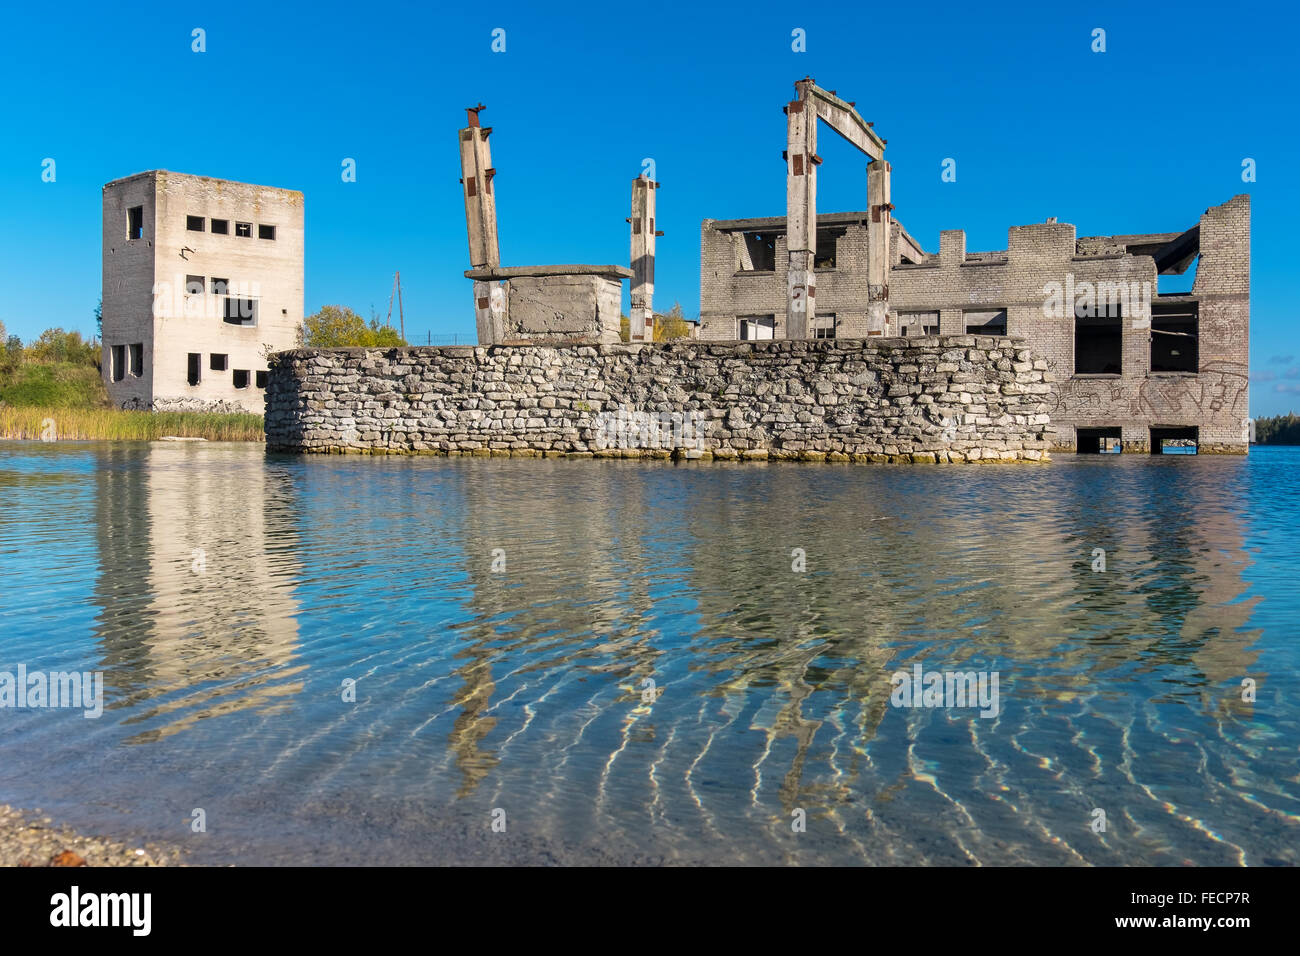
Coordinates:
878 242
643 257
801 214
481 223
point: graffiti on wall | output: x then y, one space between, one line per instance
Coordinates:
1219 391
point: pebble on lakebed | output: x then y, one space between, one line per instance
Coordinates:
29 839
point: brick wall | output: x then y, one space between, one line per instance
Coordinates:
1214 399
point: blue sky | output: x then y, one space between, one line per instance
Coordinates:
1141 138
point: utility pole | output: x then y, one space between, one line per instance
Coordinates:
401 316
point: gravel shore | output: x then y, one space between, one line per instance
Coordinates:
29 839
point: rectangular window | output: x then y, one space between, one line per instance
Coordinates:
241 378
758 252
918 323
192 374
194 285
986 323
261 379
136 355
240 311
135 222
754 327
118 363
826 242
1098 345
824 326
244 230
194 223
221 227
218 362
1175 338
265 232
219 286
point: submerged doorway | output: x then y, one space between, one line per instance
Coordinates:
1174 441
1097 441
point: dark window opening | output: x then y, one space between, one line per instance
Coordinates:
986 323
135 222
1098 346
826 243
1175 338
136 355
194 285
244 230
261 379
1098 441
194 223
241 378
266 232
219 286
192 375
759 253
218 362
118 363
1174 441
912 324
755 327
239 311
221 227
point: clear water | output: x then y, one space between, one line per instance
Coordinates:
523 690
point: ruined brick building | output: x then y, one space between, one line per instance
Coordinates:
202 278
1134 367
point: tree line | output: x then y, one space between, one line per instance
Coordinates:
53 346
1278 430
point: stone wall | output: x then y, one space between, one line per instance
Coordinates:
927 399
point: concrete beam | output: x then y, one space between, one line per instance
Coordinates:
514 272
909 250
480 200
489 312
800 217
878 234
642 222
840 116
476 174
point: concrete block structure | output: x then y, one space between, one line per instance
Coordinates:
555 304
1133 368
549 304
202 278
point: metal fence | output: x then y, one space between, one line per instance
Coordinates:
458 339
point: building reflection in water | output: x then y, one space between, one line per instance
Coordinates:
197 565
939 566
